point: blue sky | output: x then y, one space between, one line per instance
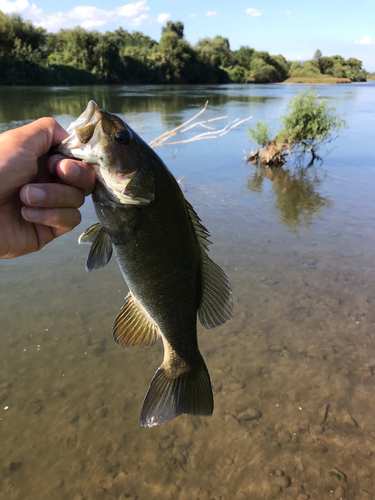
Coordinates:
294 28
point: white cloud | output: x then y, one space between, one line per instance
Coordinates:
193 15
53 22
138 20
253 12
366 40
212 13
162 18
87 16
132 9
90 17
17 6
20 7
289 12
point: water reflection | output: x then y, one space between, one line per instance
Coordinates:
295 192
19 105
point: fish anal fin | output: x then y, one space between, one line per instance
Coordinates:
170 396
100 251
133 326
216 306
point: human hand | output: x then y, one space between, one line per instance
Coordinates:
39 194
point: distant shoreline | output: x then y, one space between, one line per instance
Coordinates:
317 81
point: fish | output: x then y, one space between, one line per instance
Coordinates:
161 247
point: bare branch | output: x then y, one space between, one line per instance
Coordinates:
214 134
177 128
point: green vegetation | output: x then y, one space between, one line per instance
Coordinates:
30 55
260 134
326 67
308 124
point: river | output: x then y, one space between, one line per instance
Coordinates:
293 372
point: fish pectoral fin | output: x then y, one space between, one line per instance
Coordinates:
216 305
101 249
90 234
169 396
133 326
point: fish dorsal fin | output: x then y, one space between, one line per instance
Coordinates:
101 248
133 326
201 232
216 306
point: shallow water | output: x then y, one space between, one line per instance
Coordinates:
293 372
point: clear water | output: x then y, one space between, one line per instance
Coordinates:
293 372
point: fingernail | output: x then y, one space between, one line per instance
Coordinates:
34 195
71 170
30 214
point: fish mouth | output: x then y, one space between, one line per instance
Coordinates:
81 131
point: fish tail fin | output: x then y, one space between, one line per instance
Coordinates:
169 396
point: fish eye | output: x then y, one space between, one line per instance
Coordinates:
123 137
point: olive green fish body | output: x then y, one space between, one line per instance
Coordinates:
160 245
158 253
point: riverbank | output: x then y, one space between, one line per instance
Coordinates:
317 81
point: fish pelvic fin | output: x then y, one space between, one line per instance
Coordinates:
133 326
101 247
216 305
171 395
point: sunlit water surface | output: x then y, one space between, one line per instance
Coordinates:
293 372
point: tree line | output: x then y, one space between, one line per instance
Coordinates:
30 55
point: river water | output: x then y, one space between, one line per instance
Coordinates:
293 372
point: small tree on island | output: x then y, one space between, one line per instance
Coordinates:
309 124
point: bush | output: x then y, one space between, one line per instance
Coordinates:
260 134
310 121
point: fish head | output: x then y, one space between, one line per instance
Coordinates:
116 152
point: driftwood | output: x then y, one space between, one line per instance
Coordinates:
163 139
272 155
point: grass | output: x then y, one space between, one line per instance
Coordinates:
316 80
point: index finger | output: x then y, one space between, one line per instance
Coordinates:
37 137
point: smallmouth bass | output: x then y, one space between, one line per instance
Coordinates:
160 246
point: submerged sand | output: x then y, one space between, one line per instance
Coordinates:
293 376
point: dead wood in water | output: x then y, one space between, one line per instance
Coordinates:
272 155
213 134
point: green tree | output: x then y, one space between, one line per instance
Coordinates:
176 27
309 69
23 51
214 51
310 122
262 72
317 55
243 56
